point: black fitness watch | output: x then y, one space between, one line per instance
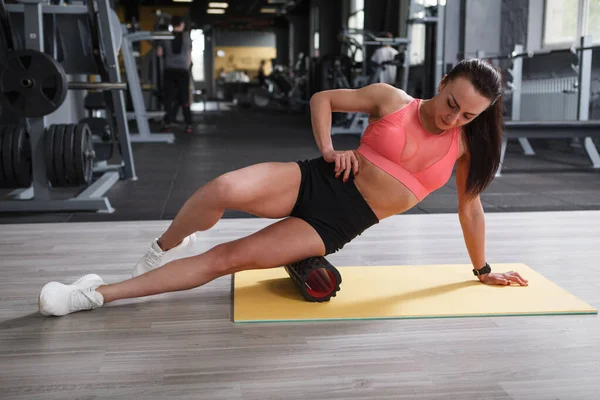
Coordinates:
485 270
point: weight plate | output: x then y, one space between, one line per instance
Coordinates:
1 167
58 156
90 155
68 151
83 154
2 173
78 155
9 176
50 174
33 84
21 156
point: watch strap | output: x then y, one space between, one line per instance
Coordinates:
482 271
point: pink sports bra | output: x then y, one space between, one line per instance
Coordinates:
398 144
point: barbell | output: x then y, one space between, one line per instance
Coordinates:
33 84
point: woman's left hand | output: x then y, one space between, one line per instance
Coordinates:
505 278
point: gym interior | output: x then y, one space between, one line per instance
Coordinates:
90 174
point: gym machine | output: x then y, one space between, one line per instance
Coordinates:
287 89
580 128
370 39
515 89
140 113
355 123
44 43
432 18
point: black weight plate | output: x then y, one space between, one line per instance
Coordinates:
22 157
50 173
58 157
2 174
70 172
9 176
78 155
90 155
1 167
84 154
33 84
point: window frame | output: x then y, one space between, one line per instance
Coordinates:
581 28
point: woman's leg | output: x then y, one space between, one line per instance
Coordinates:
286 241
267 190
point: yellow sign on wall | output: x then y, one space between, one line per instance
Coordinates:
243 59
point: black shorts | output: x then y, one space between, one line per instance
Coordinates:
336 210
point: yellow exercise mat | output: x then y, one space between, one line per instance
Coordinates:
385 292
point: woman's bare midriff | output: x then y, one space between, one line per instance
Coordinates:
385 194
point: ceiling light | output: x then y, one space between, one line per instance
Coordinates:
217 5
267 10
215 11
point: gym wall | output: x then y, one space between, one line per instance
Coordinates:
243 50
243 58
482 27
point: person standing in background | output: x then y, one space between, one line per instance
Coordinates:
262 75
386 53
177 55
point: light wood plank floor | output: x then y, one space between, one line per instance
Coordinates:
184 345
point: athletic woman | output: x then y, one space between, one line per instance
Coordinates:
408 151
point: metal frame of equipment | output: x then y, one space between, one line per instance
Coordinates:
38 197
582 128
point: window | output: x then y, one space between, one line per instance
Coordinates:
356 20
593 20
417 41
197 36
315 29
565 21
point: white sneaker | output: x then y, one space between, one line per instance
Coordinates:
88 281
155 257
59 299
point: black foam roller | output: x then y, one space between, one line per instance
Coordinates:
316 279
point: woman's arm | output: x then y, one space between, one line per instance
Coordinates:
472 221
370 100
471 216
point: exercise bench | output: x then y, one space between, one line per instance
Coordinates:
553 130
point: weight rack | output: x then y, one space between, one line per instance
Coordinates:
38 196
580 128
140 113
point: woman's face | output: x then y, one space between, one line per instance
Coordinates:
457 103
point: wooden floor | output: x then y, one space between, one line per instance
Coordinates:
184 345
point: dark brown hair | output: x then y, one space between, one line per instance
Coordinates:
484 133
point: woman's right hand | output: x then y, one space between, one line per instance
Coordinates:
345 162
